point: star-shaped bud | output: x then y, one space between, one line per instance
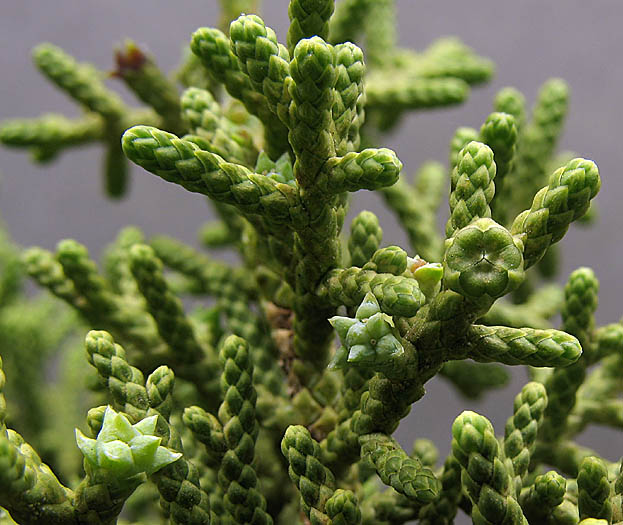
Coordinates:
280 170
122 450
369 340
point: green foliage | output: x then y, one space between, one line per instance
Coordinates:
269 422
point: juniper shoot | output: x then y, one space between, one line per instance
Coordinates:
246 410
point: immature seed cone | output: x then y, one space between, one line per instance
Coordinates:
483 259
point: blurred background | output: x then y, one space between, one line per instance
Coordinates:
528 40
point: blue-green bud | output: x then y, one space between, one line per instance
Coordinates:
122 450
367 340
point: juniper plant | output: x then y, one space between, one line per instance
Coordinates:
269 421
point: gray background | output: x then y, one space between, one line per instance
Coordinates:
529 41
